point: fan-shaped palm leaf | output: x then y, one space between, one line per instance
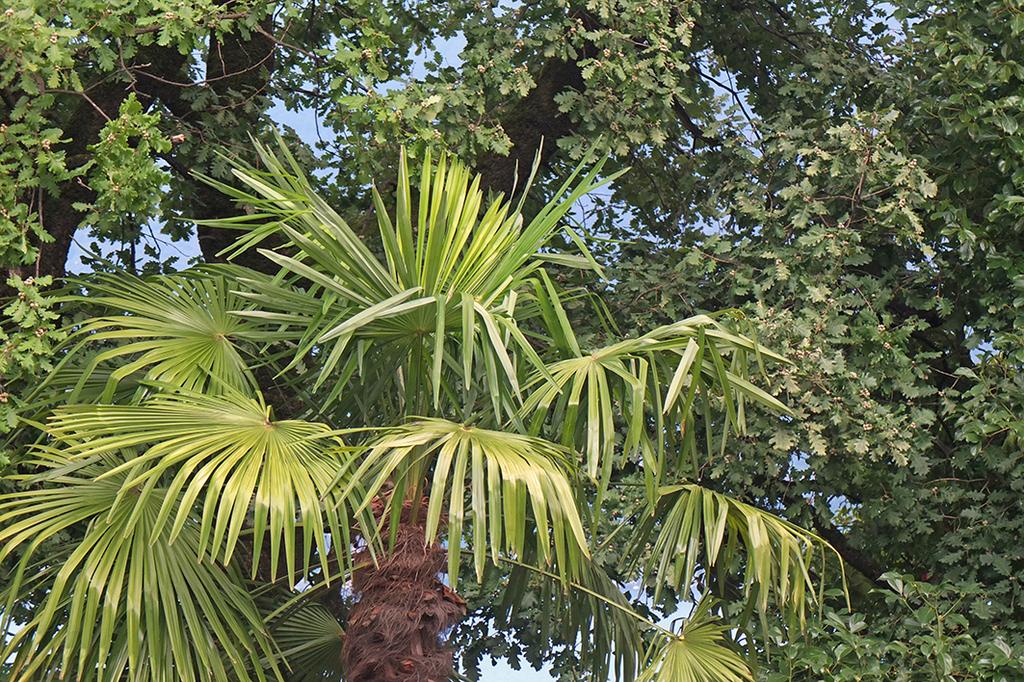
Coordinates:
229 464
310 640
697 654
177 328
128 599
502 472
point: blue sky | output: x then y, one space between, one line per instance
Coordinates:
503 673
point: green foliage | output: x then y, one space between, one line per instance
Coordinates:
873 250
920 632
163 474
699 519
696 654
170 318
127 598
502 471
70 117
629 77
122 173
29 339
33 58
225 455
845 176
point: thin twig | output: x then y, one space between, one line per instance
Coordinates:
85 97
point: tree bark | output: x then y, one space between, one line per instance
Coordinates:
395 632
531 122
238 70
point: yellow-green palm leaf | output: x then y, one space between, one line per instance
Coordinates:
696 528
176 329
441 302
698 653
231 468
127 599
512 481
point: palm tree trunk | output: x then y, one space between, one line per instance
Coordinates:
397 631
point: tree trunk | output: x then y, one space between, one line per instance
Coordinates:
397 630
238 72
531 122
238 69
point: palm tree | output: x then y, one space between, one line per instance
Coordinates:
248 476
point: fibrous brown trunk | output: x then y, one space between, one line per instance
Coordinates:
397 630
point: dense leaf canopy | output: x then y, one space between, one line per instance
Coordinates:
843 179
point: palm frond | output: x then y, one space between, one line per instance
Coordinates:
189 481
648 388
128 598
591 612
706 529
697 654
505 473
449 276
226 457
310 641
177 329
